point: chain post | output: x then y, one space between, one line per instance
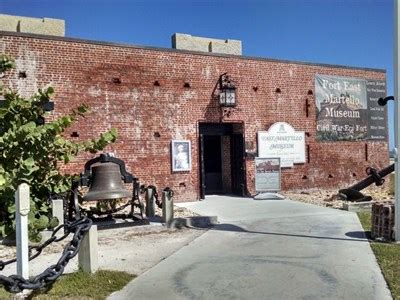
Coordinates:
88 253
150 203
22 206
167 207
57 206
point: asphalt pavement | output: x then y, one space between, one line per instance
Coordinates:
267 249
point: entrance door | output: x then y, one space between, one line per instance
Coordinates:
221 153
202 171
212 164
237 163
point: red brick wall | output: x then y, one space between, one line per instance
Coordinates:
83 72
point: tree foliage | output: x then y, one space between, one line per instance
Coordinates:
31 152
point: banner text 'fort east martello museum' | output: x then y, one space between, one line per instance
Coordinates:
348 110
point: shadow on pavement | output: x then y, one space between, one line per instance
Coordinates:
354 236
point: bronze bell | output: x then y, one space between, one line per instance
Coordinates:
106 183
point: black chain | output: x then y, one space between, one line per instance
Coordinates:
155 194
144 188
169 191
16 283
38 249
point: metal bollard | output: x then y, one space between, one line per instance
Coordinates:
150 204
167 207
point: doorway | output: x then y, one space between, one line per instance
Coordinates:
221 159
213 164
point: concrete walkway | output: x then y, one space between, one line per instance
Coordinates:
267 250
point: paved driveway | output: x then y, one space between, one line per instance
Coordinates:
267 250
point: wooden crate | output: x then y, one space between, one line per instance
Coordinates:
383 221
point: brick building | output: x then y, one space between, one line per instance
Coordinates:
153 96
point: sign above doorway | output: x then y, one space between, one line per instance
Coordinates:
283 141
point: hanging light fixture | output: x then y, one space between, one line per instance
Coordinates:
227 95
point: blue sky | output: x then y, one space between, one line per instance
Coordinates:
345 32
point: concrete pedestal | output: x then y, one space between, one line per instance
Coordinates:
57 206
168 208
357 206
88 253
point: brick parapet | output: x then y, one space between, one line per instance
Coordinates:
45 26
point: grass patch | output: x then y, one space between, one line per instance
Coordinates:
365 219
4 294
81 285
387 255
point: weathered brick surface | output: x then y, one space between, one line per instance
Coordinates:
148 117
382 220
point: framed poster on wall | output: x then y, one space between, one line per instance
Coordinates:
181 155
268 174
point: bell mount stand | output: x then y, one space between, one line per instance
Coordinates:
111 220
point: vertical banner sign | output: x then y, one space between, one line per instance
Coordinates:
268 174
347 109
377 114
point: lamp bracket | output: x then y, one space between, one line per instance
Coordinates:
225 82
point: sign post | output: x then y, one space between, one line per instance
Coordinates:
22 206
396 118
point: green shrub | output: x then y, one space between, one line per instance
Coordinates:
31 151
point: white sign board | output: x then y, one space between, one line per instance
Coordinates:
281 140
268 174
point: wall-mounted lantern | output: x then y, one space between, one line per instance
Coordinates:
227 91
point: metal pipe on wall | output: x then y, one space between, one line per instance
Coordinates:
396 117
